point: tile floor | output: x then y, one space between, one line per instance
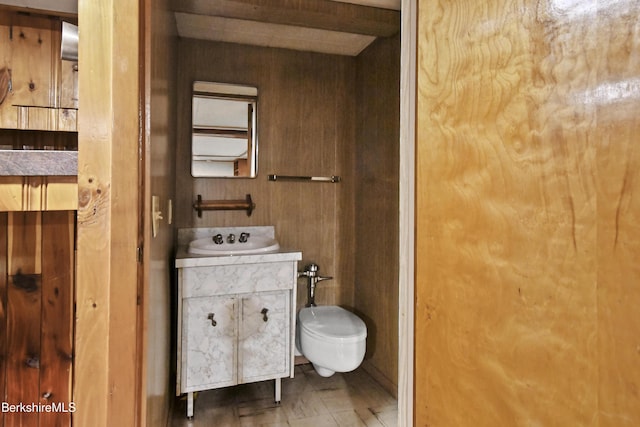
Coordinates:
348 399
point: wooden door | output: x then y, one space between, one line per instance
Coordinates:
36 318
527 213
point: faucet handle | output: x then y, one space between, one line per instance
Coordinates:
321 278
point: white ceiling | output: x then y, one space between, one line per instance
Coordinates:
270 35
195 19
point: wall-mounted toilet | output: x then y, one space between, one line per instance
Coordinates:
331 338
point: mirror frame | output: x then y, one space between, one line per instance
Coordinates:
233 93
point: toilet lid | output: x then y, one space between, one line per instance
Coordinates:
332 322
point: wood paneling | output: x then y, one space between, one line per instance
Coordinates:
36 326
3 306
36 140
44 118
38 193
56 345
160 167
307 127
41 93
527 235
376 205
27 50
24 295
613 104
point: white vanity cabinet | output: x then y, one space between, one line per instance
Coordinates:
236 320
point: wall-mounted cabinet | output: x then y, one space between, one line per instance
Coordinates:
38 90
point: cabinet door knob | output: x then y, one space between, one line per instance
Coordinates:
264 314
210 317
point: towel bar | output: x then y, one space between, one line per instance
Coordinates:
224 205
332 178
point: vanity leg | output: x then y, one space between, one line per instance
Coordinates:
190 406
278 389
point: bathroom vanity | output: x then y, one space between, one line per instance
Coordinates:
236 315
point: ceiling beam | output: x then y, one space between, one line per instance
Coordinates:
320 14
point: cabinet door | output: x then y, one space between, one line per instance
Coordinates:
264 338
209 351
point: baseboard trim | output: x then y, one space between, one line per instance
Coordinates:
385 382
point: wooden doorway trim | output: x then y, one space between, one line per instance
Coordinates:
107 243
144 204
407 212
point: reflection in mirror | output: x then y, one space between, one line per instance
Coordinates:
224 141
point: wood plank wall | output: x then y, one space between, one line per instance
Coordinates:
528 235
160 173
39 91
11 139
37 261
376 205
307 113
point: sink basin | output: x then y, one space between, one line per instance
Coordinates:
254 245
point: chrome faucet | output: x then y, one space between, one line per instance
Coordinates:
244 237
311 273
217 239
231 238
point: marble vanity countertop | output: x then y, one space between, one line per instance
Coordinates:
186 235
185 259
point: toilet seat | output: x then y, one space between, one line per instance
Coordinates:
332 324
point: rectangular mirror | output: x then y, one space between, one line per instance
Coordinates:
224 137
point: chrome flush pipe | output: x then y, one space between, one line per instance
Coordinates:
311 273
